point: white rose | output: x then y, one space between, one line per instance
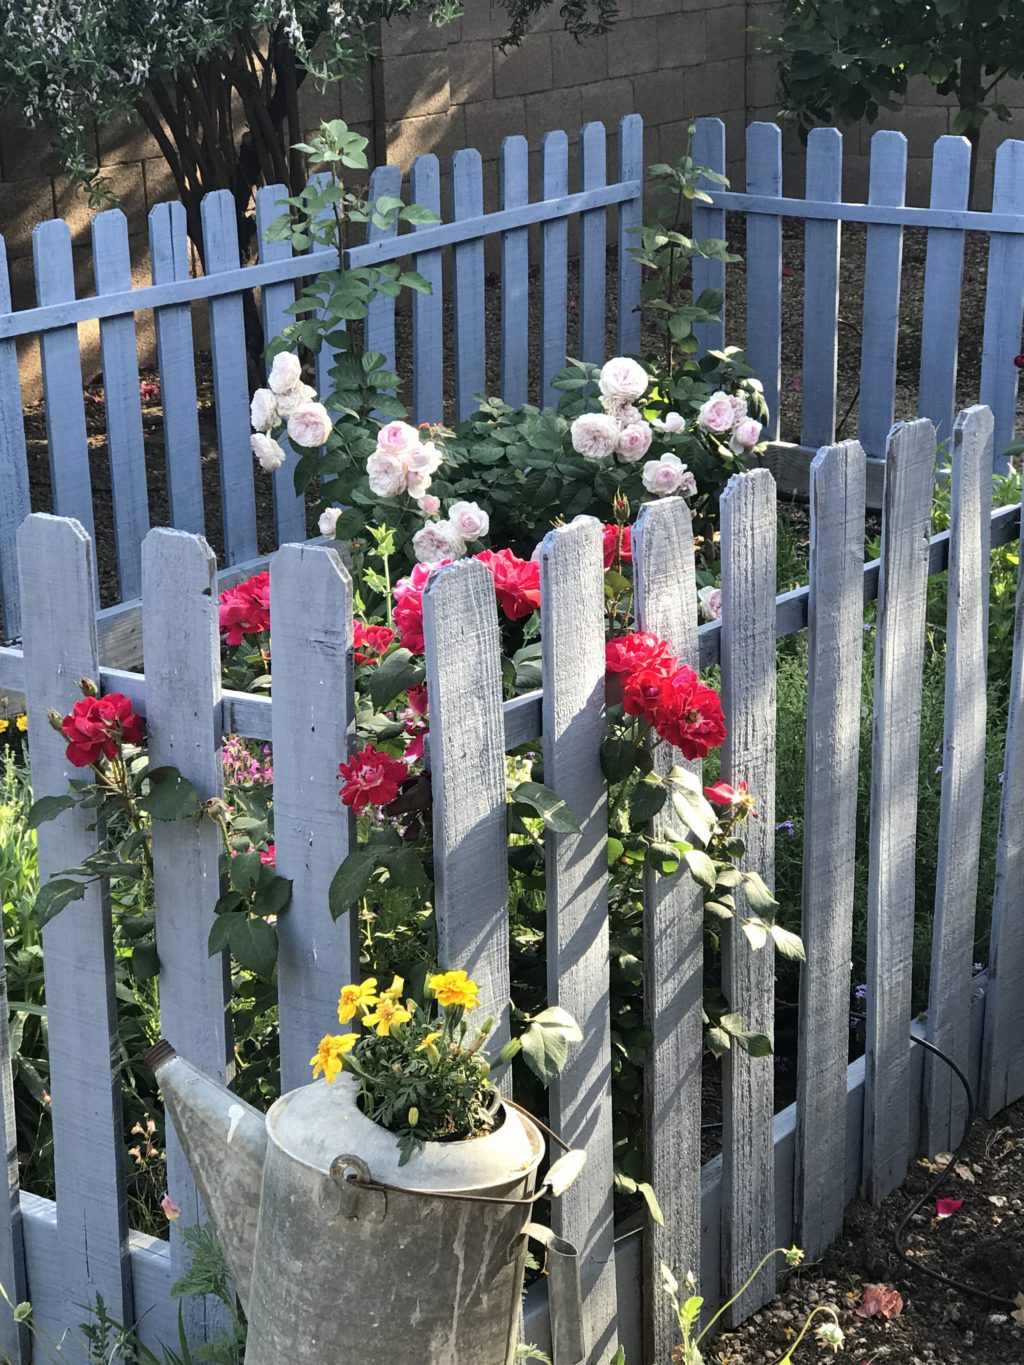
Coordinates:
290 402
672 423
745 435
634 442
309 425
739 408
688 485
469 519
622 378
285 372
387 474
263 411
268 453
623 413
328 522
416 483
710 603
436 541
717 414
663 476
594 435
424 456
397 437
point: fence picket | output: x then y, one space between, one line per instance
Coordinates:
764 268
15 1344
748 698
963 776
631 217
126 448
468 257
1002 1056
15 504
821 291
61 361
572 592
325 358
169 255
1004 300
311 607
58 612
943 276
289 506
666 605
230 382
428 309
593 247
835 649
882 272
515 274
899 655
385 182
709 221
181 644
554 265
467 760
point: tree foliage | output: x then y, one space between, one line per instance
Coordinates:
847 59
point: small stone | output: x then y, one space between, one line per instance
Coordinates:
998 1319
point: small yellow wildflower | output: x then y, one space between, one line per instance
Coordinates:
352 997
329 1054
428 1041
830 1334
794 1255
395 990
455 988
22 723
386 1016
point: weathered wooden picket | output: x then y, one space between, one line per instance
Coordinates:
822 210
780 1176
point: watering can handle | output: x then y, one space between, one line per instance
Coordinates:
565 1299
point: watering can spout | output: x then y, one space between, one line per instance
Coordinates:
225 1142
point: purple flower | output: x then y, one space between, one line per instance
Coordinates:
977 967
860 992
784 827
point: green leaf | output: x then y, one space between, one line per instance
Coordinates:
220 935
758 896
253 943
788 944
702 868
145 961
419 215
55 895
272 897
545 1042
349 883
404 866
616 848
645 803
244 872
628 1185
48 808
552 810
171 796
757 932
621 757
395 674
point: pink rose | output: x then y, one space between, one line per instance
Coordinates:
469 519
739 408
387 474
710 603
663 476
622 378
745 435
437 541
397 437
594 435
717 414
634 442
295 398
416 483
672 423
623 413
328 522
688 484
424 456
430 505
309 426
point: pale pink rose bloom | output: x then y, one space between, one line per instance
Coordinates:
289 402
663 476
739 408
387 474
429 505
423 456
688 484
172 1211
397 437
285 372
263 411
309 426
268 453
328 522
717 414
710 600
745 435
623 413
436 541
622 378
634 442
416 483
469 519
672 423
594 435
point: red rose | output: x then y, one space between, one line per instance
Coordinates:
689 715
370 642
516 581
641 691
100 725
371 779
245 608
639 650
268 857
418 699
618 544
721 794
408 609
1018 360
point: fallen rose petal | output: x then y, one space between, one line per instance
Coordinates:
945 1208
998 1199
1018 1314
879 1301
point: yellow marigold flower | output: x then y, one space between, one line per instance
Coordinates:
329 1054
455 988
4 725
386 1016
395 990
22 723
352 997
428 1041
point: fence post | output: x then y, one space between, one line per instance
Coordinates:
468 257
427 309
764 268
554 265
883 263
1004 301
821 290
14 495
15 1345
943 278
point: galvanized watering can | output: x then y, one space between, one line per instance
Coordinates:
340 1257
